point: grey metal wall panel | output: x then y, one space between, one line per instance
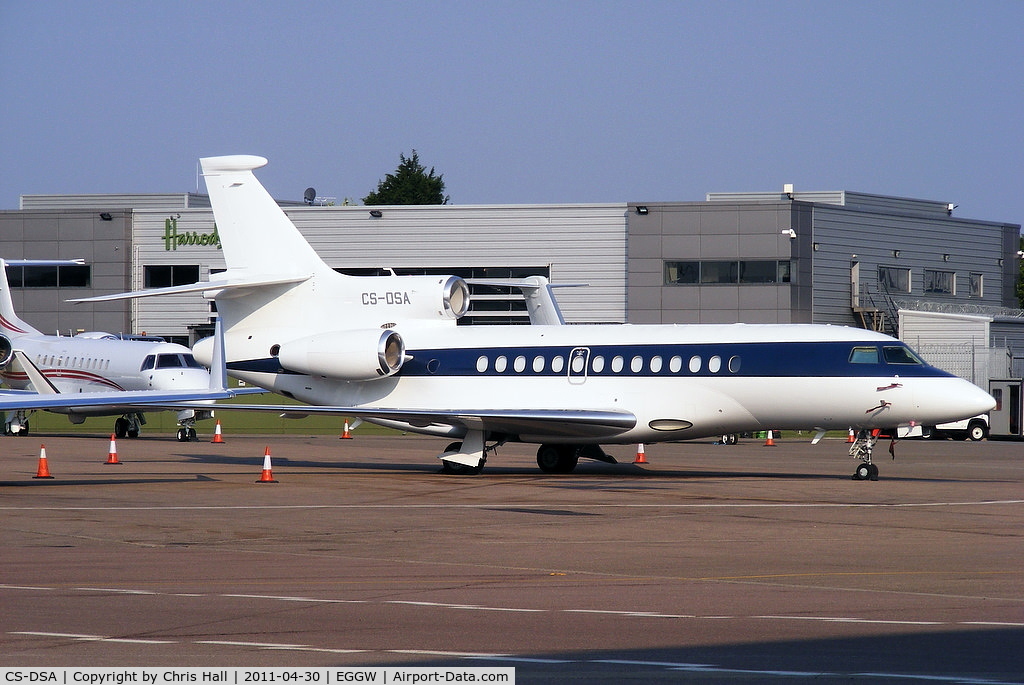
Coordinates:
922 242
579 243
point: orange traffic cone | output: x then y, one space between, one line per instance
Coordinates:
43 471
218 438
112 452
850 439
267 476
640 456
345 435
770 442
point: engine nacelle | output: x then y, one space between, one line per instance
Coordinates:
360 355
412 297
6 351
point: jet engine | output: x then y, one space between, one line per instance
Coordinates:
359 355
6 351
412 297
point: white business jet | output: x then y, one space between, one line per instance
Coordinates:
92 362
388 349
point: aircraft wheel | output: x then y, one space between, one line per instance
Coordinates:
133 432
453 468
872 472
863 471
182 435
192 435
121 427
557 458
23 431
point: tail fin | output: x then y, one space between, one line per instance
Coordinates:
10 323
258 239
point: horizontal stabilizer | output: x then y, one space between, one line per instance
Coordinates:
202 286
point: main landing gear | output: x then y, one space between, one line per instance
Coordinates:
563 458
861 449
129 425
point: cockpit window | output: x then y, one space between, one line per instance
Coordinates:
168 361
900 355
864 355
148 362
191 362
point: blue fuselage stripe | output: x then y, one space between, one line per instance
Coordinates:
750 360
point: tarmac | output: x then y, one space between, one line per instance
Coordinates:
709 563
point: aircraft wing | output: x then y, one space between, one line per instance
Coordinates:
551 423
12 399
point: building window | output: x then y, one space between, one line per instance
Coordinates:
733 272
939 282
893 279
976 285
65 276
682 273
166 276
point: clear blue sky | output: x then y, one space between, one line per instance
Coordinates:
521 102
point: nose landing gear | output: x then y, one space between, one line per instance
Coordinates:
861 449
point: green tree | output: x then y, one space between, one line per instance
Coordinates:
411 184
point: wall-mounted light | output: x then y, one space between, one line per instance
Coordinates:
376 213
950 207
817 246
896 254
945 257
789 233
106 216
642 210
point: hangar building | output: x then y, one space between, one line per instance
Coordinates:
792 257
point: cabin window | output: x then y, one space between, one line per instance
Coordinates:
899 355
519 364
734 364
538 364
636 364
597 364
695 364
557 364
617 364
656 363
500 364
715 364
675 364
864 355
481 363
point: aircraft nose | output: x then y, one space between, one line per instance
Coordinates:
969 400
180 379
